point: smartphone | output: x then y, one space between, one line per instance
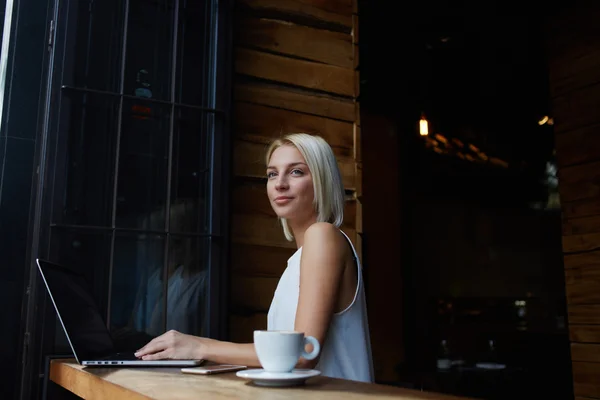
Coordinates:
213 369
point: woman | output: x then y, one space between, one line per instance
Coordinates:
321 292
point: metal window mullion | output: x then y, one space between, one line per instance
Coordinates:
116 167
170 161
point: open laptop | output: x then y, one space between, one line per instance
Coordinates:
82 322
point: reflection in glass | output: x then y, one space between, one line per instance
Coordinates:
190 173
90 135
149 49
143 165
86 252
96 39
194 81
187 284
136 289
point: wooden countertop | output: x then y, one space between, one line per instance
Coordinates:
170 383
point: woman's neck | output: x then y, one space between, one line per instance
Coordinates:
298 229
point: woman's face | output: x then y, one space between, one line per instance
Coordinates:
290 185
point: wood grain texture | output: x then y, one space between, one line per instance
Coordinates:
577 243
585 379
171 384
334 48
585 333
253 293
579 146
579 226
584 314
243 326
296 100
259 260
585 352
582 259
263 124
577 109
307 74
338 12
258 229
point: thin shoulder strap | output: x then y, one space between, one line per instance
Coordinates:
354 254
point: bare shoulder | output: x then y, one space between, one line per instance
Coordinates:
322 235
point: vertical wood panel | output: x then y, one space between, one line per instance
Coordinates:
574 55
296 71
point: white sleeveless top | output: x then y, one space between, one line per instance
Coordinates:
346 352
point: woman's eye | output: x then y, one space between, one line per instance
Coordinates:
297 172
270 175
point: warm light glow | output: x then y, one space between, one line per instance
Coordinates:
423 127
546 120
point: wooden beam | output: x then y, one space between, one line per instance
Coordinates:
578 146
584 314
249 162
585 333
582 259
242 327
581 291
249 259
578 226
579 173
263 124
253 293
585 352
577 243
334 48
258 230
325 11
355 29
307 74
585 379
357 143
296 100
581 208
579 191
577 109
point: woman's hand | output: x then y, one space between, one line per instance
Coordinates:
174 345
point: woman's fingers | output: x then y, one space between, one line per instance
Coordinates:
156 344
156 356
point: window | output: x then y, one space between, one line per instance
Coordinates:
136 133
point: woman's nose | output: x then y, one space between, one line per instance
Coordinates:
281 183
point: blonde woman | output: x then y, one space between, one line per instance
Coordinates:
321 292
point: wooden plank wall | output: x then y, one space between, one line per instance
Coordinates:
296 70
574 66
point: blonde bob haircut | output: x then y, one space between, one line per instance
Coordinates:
326 176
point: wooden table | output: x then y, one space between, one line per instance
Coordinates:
170 383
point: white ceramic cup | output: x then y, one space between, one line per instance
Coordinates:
279 351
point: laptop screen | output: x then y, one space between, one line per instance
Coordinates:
85 329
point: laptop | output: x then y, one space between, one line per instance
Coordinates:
80 317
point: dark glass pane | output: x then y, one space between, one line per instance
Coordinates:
190 174
96 37
137 289
187 309
149 49
143 165
87 252
195 59
88 137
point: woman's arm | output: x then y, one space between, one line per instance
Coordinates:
321 268
176 345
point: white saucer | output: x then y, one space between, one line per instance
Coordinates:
261 377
